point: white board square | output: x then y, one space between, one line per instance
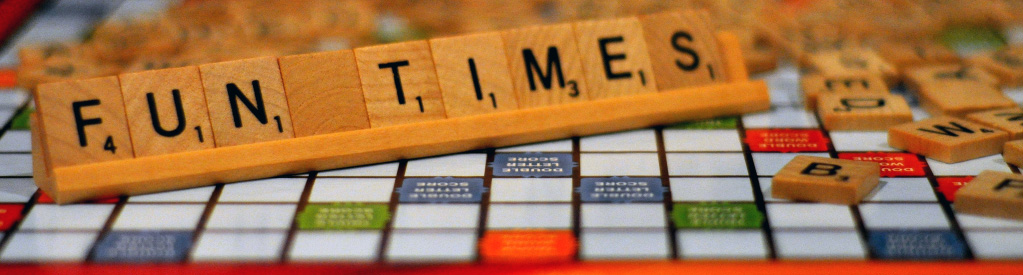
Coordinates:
67 217
711 189
644 140
707 164
702 140
251 216
531 190
632 215
238 246
818 245
417 246
721 244
598 244
520 216
159 217
352 190
264 190
810 215
437 216
347 246
460 165
46 247
619 164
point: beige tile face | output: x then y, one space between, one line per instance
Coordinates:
993 194
947 139
246 101
83 121
683 50
324 93
545 65
863 111
941 90
615 58
166 111
473 74
399 82
825 180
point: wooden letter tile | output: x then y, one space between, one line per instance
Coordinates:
473 74
956 90
83 121
993 194
852 62
947 139
324 92
1008 119
863 111
1013 152
399 82
827 180
246 101
545 65
908 55
682 49
615 57
166 111
1005 63
814 85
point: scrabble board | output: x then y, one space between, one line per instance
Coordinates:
674 197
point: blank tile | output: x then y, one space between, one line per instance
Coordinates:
196 195
648 215
67 217
902 189
768 164
251 216
721 244
238 246
564 145
903 216
781 117
597 244
264 190
707 164
159 217
969 167
389 169
348 246
45 247
711 189
619 164
531 190
975 222
644 140
996 245
352 190
461 165
702 140
861 142
16 141
437 216
16 190
809 215
818 245
519 216
16 165
416 246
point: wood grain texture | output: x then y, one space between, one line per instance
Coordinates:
399 82
1005 63
1009 120
324 92
828 180
683 51
992 194
815 85
1013 152
871 112
947 139
956 90
83 121
854 62
459 77
615 58
234 83
171 90
541 77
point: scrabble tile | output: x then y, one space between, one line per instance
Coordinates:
862 112
595 244
324 92
683 50
947 139
615 57
819 245
238 246
166 111
473 74
825 180
769 164
545 65
941 90
1013 152
711 189
352 190
154 217
520 216
809 215
913 54
993 194
1005 63
46 246
246 101
531 190
721 244
1009 120
354 246
399 82
83 121
416 246
619 164
437 216
631 215
852 62
815 85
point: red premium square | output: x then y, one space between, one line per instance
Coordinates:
786 140
948 186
